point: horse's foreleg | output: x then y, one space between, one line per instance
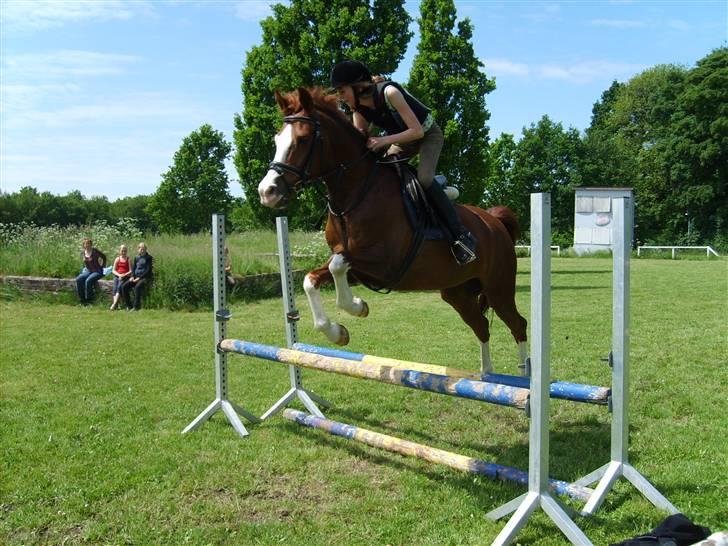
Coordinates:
333 331
345 300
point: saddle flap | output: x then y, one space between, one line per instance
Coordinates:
419 212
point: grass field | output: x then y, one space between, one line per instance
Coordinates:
92 404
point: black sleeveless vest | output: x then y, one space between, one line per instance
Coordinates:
389 120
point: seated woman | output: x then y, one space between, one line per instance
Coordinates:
141 277
94 262
121 270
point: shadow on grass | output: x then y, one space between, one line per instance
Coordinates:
584 447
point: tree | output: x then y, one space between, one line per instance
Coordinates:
605 163
301 42
698 150
135 207
665 133
195 186
637 130
500 187
446 75
546 160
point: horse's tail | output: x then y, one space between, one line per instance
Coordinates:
509 219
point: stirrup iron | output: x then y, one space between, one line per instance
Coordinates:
466 256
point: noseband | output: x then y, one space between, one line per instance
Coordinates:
304 177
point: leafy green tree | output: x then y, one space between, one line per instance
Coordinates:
665 133
546 160
500 186
605 163
21 206
638 129
9 211
446 75
697 151
301 42
133 207
195 186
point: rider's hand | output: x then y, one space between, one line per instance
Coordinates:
376 143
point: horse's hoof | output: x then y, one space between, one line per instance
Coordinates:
343 336
364 310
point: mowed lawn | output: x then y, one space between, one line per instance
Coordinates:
92 404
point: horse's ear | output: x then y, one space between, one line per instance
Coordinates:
281 100
305 98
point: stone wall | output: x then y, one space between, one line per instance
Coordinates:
47 284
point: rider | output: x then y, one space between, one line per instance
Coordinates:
409 128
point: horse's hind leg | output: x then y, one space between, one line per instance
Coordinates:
504 305
470 307
333 331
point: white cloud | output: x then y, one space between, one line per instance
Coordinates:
618 23
253 10
100 112
63 64
30 15
579 73
504 66
589 71
544 13
679 24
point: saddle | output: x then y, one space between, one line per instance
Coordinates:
421 216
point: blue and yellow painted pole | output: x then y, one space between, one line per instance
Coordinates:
432 454
493 393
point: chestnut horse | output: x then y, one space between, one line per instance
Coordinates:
369 234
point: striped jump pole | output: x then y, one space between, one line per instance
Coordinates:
493 393
412 449
563 390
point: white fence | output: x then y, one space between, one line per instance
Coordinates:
528 248
708 250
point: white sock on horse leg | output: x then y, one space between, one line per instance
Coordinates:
522 354
486 365
321 321
345 300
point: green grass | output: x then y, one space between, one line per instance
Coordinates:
93 402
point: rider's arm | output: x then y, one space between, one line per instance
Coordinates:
361 123
414 129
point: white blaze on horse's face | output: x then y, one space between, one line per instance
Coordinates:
268 189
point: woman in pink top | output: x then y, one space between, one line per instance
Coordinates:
121 271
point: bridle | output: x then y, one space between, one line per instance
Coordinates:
304 178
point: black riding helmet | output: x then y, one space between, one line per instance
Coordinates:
348 72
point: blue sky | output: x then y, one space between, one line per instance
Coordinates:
97 96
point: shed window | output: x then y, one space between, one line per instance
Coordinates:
602 204
584 204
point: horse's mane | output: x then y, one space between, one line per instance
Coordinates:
328 104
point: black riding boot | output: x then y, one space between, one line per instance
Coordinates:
463 246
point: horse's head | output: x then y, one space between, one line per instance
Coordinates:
296 144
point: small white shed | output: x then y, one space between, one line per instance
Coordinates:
593 217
